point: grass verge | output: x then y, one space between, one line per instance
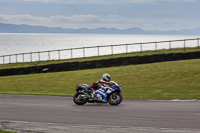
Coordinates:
3 131
158 81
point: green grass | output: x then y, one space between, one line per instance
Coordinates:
166 80
37 63
3 131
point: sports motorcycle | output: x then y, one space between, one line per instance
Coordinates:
84 95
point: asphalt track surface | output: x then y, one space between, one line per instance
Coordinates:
59 114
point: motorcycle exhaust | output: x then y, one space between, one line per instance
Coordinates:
88 96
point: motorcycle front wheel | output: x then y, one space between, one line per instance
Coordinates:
80 98
115 99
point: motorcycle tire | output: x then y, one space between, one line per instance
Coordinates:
78 101
115 99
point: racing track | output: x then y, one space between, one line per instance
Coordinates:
60 114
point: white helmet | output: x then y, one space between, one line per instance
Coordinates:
106 77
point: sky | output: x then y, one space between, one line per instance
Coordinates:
121 14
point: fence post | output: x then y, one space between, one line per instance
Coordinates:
3 60
112 49
83 52
59 54
16 58
170 47
71 53
31 56
98 50
39 56
126 48
9 58
141 47
184 45
49 56
156 46
23 57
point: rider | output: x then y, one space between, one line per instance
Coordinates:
101 87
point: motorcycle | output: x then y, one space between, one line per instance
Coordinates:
84 94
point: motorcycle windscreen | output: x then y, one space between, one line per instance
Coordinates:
116 88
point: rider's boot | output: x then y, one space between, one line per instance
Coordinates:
99 97
104 100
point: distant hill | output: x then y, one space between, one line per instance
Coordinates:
12 28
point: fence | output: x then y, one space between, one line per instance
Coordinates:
97 51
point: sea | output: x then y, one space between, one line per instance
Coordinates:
16 43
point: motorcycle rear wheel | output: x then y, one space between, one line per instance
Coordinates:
78 100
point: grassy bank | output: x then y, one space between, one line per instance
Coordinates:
166 80
3 131
37 63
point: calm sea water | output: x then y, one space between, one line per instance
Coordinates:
14 43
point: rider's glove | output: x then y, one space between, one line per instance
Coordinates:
105 89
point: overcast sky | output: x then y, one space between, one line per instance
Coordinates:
121 14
